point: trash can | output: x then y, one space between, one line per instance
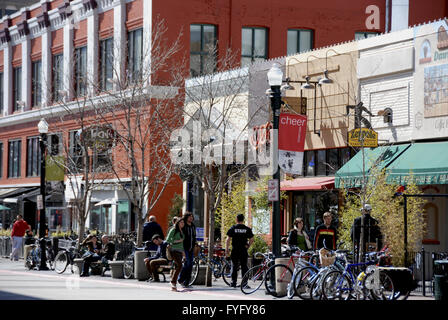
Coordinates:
441 280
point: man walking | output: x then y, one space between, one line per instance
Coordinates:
189 231
150 228
325 232
18 231
239 234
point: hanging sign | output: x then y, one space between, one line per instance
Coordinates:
291 142
363 137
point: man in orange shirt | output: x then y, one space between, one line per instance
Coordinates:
18 231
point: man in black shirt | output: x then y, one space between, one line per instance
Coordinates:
150 228
372 233
239 234
189 231
153 263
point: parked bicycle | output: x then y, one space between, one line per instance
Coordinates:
66 257
219 265
254 278
33 258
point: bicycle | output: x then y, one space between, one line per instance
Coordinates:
219 265
33 259
67 257
128 264
304 259
343 284
253 279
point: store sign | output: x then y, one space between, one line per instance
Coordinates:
363 137
54 168
291 142
40 203
99 137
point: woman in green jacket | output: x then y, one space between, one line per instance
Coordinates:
175 238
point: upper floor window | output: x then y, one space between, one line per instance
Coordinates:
36 84
202 49
33 157
58 74
1 94
135 54
106 63
299 40
326 161
76 152
16 88
254 45
14 158
80 71
365 35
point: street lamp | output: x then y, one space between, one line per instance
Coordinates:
275 79
43 130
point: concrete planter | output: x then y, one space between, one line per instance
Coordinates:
116 269
140 271
200 279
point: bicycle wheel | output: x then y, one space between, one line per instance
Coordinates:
60 262
227 272
253 279
217 269
302 282
128 267
385 288
336 285
194 271
277 278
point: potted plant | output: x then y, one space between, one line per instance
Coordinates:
259 245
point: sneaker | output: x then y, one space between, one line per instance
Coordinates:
153 280
233 284
187 286
84 275
173 287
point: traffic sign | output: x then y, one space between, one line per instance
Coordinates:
273 190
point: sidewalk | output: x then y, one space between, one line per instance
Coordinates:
49 285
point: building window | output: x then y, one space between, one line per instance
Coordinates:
14 158
254 45
1 159
76 154
106 63
80 71
299 40
54 144
17 88
135 54
202 49
365 35
33 157
36 85
326 162
58 74
1 94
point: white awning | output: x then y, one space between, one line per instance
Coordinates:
10 200
109 201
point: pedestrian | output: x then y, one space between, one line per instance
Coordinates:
18 231
242 238
153 263
91 255
373 239
150 228
189 231
325 233
298 237
107 252
28 244
175 240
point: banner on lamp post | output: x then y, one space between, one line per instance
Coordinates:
291 142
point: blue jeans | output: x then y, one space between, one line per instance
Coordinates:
185 274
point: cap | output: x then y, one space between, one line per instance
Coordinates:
367 207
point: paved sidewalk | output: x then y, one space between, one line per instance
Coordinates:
18 283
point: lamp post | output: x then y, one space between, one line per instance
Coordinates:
275 77
43 130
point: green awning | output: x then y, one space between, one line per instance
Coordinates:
428 163
351 174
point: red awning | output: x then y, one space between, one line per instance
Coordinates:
318 183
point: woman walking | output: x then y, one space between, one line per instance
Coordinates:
175 240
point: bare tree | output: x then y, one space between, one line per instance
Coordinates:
216 114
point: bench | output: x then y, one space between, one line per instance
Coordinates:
97 267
